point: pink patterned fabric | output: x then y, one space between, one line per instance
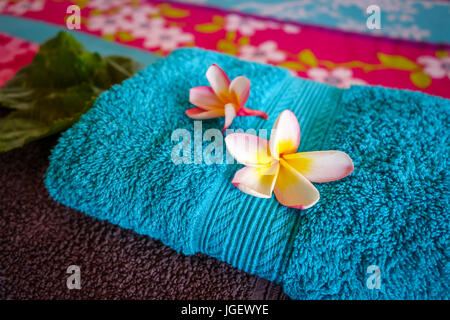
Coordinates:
14 54
330 56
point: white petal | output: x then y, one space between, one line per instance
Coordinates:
204 97
321 166
249 149
428 60
240 89
293 190
201 114
219 82
435 72
342 73
285 135
230 114
318 74
268 46
276 56
257 181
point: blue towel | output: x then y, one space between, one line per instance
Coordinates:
381 233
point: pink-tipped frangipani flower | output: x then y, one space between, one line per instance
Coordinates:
224 98
274 165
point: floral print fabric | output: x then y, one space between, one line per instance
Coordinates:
14 54
335 57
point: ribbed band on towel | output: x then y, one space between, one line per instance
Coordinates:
115 164
254 234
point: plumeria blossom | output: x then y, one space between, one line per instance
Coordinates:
104 5
224 98
166 39
107 24
339 77
246 26
139 13
435 67
263 53
274 165
141 28
290 28
23 6
138 20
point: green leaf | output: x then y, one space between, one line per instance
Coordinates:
109 37
420 79
50 94
396 62
125 36
307 57
207 27
230 36
81 3
292 65
15 133
441 53
171 12
227 47
243 41
120 68
219 20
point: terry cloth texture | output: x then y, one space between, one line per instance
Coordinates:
115 164
40 238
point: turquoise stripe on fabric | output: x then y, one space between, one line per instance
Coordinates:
40 32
